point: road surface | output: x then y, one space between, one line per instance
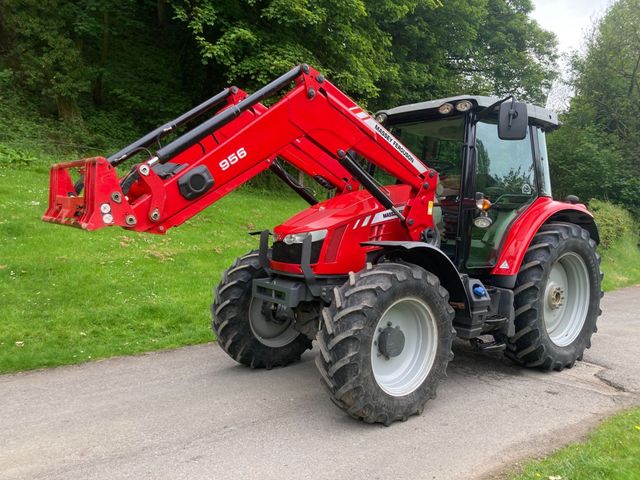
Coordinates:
193 413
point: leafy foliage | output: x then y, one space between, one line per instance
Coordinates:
93 64
45 51
383 52
141 62
589 162
252 41
597 152
11 157
614 222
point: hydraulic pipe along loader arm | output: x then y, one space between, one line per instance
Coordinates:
465 239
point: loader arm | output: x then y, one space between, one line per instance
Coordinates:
314 126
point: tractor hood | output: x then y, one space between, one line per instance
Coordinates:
343 209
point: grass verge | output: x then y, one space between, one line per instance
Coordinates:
67 296
621 265
611 452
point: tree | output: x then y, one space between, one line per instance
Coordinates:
252 41
115 63
485 47
123 65
597 152
381 52
607 78
46 50
511 54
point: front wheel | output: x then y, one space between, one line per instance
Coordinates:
557 298
385 342
253 332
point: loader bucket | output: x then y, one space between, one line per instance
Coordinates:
100 204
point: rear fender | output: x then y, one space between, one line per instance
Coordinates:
433 260
543 210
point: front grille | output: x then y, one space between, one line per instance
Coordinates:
281 252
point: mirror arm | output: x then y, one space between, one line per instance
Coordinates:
487 111
512 113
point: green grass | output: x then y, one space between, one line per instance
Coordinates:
68 296
621 265
611 452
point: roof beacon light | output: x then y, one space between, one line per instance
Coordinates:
445 109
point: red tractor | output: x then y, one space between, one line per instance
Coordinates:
439 222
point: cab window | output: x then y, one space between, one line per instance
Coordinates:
505 174
438 143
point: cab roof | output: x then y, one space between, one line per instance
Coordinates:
537 115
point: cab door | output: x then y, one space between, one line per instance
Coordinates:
505 173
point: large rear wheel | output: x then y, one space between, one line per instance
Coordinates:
253 332
557 298
385 342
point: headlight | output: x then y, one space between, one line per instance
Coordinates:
300 237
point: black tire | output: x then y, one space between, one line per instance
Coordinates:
231 323
532 344
347 332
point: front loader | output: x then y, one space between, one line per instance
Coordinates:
439 222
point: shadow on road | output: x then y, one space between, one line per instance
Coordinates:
468 363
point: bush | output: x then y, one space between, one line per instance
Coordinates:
588 162
10 157
614 222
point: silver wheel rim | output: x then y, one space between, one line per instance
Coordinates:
566 299
269 333
403 374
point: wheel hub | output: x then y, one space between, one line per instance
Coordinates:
272 325
391 342
276 313
556 297
404 346
566 299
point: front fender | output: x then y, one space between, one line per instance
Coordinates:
433 260
521 233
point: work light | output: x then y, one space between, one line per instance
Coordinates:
464 106
445 109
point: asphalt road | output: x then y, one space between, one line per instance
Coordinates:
193 413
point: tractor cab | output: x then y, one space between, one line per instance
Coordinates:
487 177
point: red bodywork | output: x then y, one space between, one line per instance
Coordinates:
525 227
307 128
350 219
85 212
302 129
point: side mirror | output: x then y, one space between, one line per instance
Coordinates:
513 120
